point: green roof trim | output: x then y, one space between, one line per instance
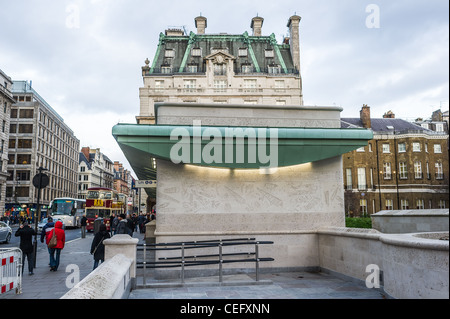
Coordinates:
251 52
233 147
187 52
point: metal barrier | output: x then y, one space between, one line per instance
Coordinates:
184 261
10 270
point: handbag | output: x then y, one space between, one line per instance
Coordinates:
101 241
53 241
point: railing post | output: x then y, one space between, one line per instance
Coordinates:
145 262
257 260
182 263
220 263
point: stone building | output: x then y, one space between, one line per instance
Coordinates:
6 99
39 138
405 166
222 68
95 170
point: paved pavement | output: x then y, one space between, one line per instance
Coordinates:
76 260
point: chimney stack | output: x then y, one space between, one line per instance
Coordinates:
256 25
389 115
364 115
86 151
201 24
293 26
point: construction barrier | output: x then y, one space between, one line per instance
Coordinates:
10 270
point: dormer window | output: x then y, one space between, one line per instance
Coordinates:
169 53
268 53
196 52
274 69
243 52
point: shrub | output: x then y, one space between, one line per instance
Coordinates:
358 222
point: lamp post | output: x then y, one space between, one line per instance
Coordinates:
40 181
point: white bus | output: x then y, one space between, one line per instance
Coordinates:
69 210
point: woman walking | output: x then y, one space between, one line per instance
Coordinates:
97 247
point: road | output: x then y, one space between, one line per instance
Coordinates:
15 241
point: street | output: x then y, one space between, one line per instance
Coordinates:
15 241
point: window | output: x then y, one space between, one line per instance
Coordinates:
23 159
420 204
279 86
169 53
439 127
280 102
274 69
386 148
25 128
401 147
159 85
246 68
363 206
362 178
196 52
268 53
348 175
441 204
403 170
12 128
166 69
220 69
424 125
416 147
23 175
438 170
360 150
404 204
389 203
437 148
189 85
23 143
387 170
220 85
242 52
192 68
26 113
22 191
250 85
418 170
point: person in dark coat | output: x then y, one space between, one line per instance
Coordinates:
97 247
122 227
26 234
83 224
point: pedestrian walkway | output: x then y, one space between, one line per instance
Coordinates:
75 257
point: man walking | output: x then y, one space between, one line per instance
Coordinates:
83 224
26 234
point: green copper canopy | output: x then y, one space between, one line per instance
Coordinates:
232 147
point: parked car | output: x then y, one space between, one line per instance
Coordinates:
44 221
5 233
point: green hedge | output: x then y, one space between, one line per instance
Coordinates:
358 222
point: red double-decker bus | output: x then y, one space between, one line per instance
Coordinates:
102 202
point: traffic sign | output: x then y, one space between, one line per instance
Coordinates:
145 184
43 178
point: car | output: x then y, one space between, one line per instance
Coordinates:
44 221
5 233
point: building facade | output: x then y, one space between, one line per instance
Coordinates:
38 138
222 68
6 100
95 170
405 166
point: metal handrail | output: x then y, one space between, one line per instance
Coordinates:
185 261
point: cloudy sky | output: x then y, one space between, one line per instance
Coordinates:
84 57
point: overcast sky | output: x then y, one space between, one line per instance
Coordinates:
85 56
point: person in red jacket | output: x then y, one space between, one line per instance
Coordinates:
55 252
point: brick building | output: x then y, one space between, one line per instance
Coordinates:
405 166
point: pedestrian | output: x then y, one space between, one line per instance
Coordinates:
97 247
113 223
55 252
26 233
83 224
46 231
122 227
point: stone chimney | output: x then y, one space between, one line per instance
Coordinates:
294 39
364 115
173 32
256 26
86 151
389 115
201 24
